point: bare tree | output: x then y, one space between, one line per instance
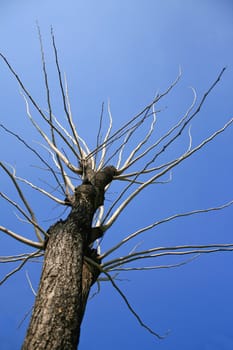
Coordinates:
71 248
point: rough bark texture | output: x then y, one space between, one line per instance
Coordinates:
66 279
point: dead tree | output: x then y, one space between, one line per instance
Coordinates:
73 260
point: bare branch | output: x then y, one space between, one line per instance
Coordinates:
50 143
160 222
68 183
47 90
64 98
21 238
22 197
156 267
124 129
152 183
168 251
71 123
41 190
19 257
185 121
157 176
34 103
19 267
30 284
97 291
130 162
104 149
36 153
142 324
98 138
29 220
50 112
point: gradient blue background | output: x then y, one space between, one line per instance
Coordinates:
126 51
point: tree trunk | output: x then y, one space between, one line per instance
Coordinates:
66 278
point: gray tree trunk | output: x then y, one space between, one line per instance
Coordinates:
66 278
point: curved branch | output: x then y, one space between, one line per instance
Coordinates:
21 238
142 324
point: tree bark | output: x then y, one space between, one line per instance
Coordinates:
66 278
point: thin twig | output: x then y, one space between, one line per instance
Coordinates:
19 267
34 103
30 284
50 111
137 116
142 324
36 153
167 251
68 115
156 267
29 220
25 202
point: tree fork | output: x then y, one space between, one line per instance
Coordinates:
66 278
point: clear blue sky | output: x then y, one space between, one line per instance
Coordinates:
125 51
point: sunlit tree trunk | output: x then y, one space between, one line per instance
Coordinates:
66 278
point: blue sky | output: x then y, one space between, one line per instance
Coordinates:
126 51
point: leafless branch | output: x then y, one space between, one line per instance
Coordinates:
64 98
25 202
37 107
51 113
49 142
168 251
130 161
21 239
68 183
19 138
19 267
99 136
104 148
30 284
157 176
128 126
160 222
29 220
19 257
155 267
41 190
142 324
